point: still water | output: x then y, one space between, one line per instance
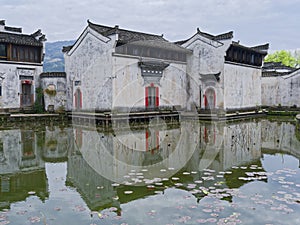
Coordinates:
191 173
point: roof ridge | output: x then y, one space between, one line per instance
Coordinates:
13 29
19 38
116 28
99 25
223 36
261 47
219 37
258 49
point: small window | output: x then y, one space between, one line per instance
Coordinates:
252 58
136 51
14 53
61 86
22 54
3 51
31 55
36 55
26 51
235 55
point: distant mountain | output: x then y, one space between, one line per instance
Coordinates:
54 58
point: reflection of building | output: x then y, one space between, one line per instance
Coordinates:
21 167
280 137
99 192
217 146
125 157
56 144
226 145
114 155
21 58
17 187
19 151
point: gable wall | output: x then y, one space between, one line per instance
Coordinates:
90 64
281 90
207 58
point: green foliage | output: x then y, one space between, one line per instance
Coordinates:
284 57
38 104
50 92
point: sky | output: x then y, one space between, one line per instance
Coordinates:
253 22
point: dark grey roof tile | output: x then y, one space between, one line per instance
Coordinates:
219 37
125 36
53 75
19 39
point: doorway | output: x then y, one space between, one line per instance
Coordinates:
210 99
78 99
151 97
26 96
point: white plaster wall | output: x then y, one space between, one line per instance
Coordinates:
290 86
173 86
242 86
129 85
207 58
281 90
60 99
11 84
270 91
90 61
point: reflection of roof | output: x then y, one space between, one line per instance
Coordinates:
234 180
292 151
18 185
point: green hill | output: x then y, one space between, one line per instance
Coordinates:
54 58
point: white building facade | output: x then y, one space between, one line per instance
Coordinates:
112 69
21 58
223 74
280 86
54 85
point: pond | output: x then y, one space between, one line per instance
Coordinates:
190 173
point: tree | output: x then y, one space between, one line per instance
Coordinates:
285 57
